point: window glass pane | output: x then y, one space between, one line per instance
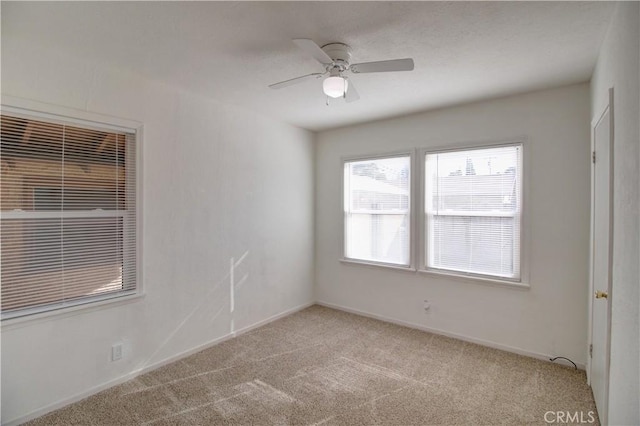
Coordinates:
472 210
473 181
93 169
31 158
481 245
377 210
55 261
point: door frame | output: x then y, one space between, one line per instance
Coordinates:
602 110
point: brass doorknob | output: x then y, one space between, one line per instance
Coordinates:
601 294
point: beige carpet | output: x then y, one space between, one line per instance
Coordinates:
322 366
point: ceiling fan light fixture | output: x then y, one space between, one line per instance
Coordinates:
335 58
335 86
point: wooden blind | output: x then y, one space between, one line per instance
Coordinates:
68 219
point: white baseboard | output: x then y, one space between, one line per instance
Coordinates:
469 339
133 374
272 318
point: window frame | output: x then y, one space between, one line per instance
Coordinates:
422 253
411 153
69 116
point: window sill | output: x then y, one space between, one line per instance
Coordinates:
377 265
475 279
16 322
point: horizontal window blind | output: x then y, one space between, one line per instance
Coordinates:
473 211
377 210
68 219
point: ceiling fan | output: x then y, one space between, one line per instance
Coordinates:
336 60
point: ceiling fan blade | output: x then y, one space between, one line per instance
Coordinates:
383 66
296 80
352 94
313 49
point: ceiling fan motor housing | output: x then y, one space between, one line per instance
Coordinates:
340 53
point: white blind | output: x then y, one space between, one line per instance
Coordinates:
68 220
473 211
377 210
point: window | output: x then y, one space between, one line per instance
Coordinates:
377 206
473 211
68 221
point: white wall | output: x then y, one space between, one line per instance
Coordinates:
618 67
218 182
550 317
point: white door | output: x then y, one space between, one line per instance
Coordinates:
601 250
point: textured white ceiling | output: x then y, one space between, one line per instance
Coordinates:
231 51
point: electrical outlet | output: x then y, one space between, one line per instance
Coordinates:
427 305
116 352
